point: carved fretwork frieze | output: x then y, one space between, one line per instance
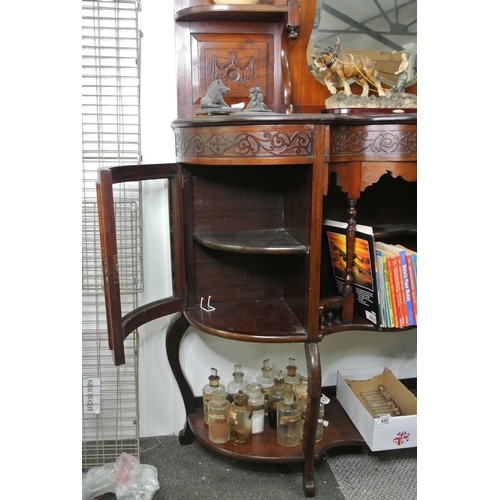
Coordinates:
378 142
240 144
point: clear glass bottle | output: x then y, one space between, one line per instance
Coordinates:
301 392
292 377
237 383
256 400
321 416
218 417
288 421
240 413
301 388
213 383
276 394
301 398
265 379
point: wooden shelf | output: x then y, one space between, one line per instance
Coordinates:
233 13
392 230
358 323
255 321
264 447
269 241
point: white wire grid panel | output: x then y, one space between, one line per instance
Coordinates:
110 137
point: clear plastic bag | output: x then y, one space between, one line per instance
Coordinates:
126 478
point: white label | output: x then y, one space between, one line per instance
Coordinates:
370 316
92 395
384 420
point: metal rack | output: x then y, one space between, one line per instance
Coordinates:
110 137
110 407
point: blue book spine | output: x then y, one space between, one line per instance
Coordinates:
414 267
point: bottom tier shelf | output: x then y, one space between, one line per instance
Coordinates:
264 447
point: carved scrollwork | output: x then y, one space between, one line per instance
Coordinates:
374 142
274 143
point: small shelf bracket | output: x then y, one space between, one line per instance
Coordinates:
208 307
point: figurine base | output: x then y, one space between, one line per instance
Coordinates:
229 111
392 100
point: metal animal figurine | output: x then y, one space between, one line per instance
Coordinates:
213 98
332 62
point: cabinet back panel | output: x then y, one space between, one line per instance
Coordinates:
237 198
228 276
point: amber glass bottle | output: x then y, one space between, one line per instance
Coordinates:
240 413
218 417
265 379
213 383
288 421
237 383
292 377
276 394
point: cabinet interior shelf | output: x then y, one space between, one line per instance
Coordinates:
233 13
264 447
358 323
392 230
267 241
269 320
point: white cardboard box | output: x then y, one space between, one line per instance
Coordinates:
383 433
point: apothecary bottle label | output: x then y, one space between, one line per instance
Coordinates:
290 419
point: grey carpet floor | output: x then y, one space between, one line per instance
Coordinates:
381 475
194 472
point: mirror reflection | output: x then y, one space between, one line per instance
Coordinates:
379 29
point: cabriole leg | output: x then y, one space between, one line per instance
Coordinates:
175 332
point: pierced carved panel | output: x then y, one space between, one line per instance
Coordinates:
272 143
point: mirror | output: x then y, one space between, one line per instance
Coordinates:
379 29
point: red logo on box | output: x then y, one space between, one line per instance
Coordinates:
402 437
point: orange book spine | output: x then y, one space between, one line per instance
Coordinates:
392 286
400 291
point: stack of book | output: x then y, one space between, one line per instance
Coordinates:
384 276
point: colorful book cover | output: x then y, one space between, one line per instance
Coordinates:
390 305
406 288
411 257
392 253
414 269
413 286
400 291
382 296
394 294
366 296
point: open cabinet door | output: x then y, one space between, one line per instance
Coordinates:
119 327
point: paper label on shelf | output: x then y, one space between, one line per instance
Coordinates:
92 395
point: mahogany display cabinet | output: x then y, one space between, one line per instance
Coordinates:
248 193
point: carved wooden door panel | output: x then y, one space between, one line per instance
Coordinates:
119 327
